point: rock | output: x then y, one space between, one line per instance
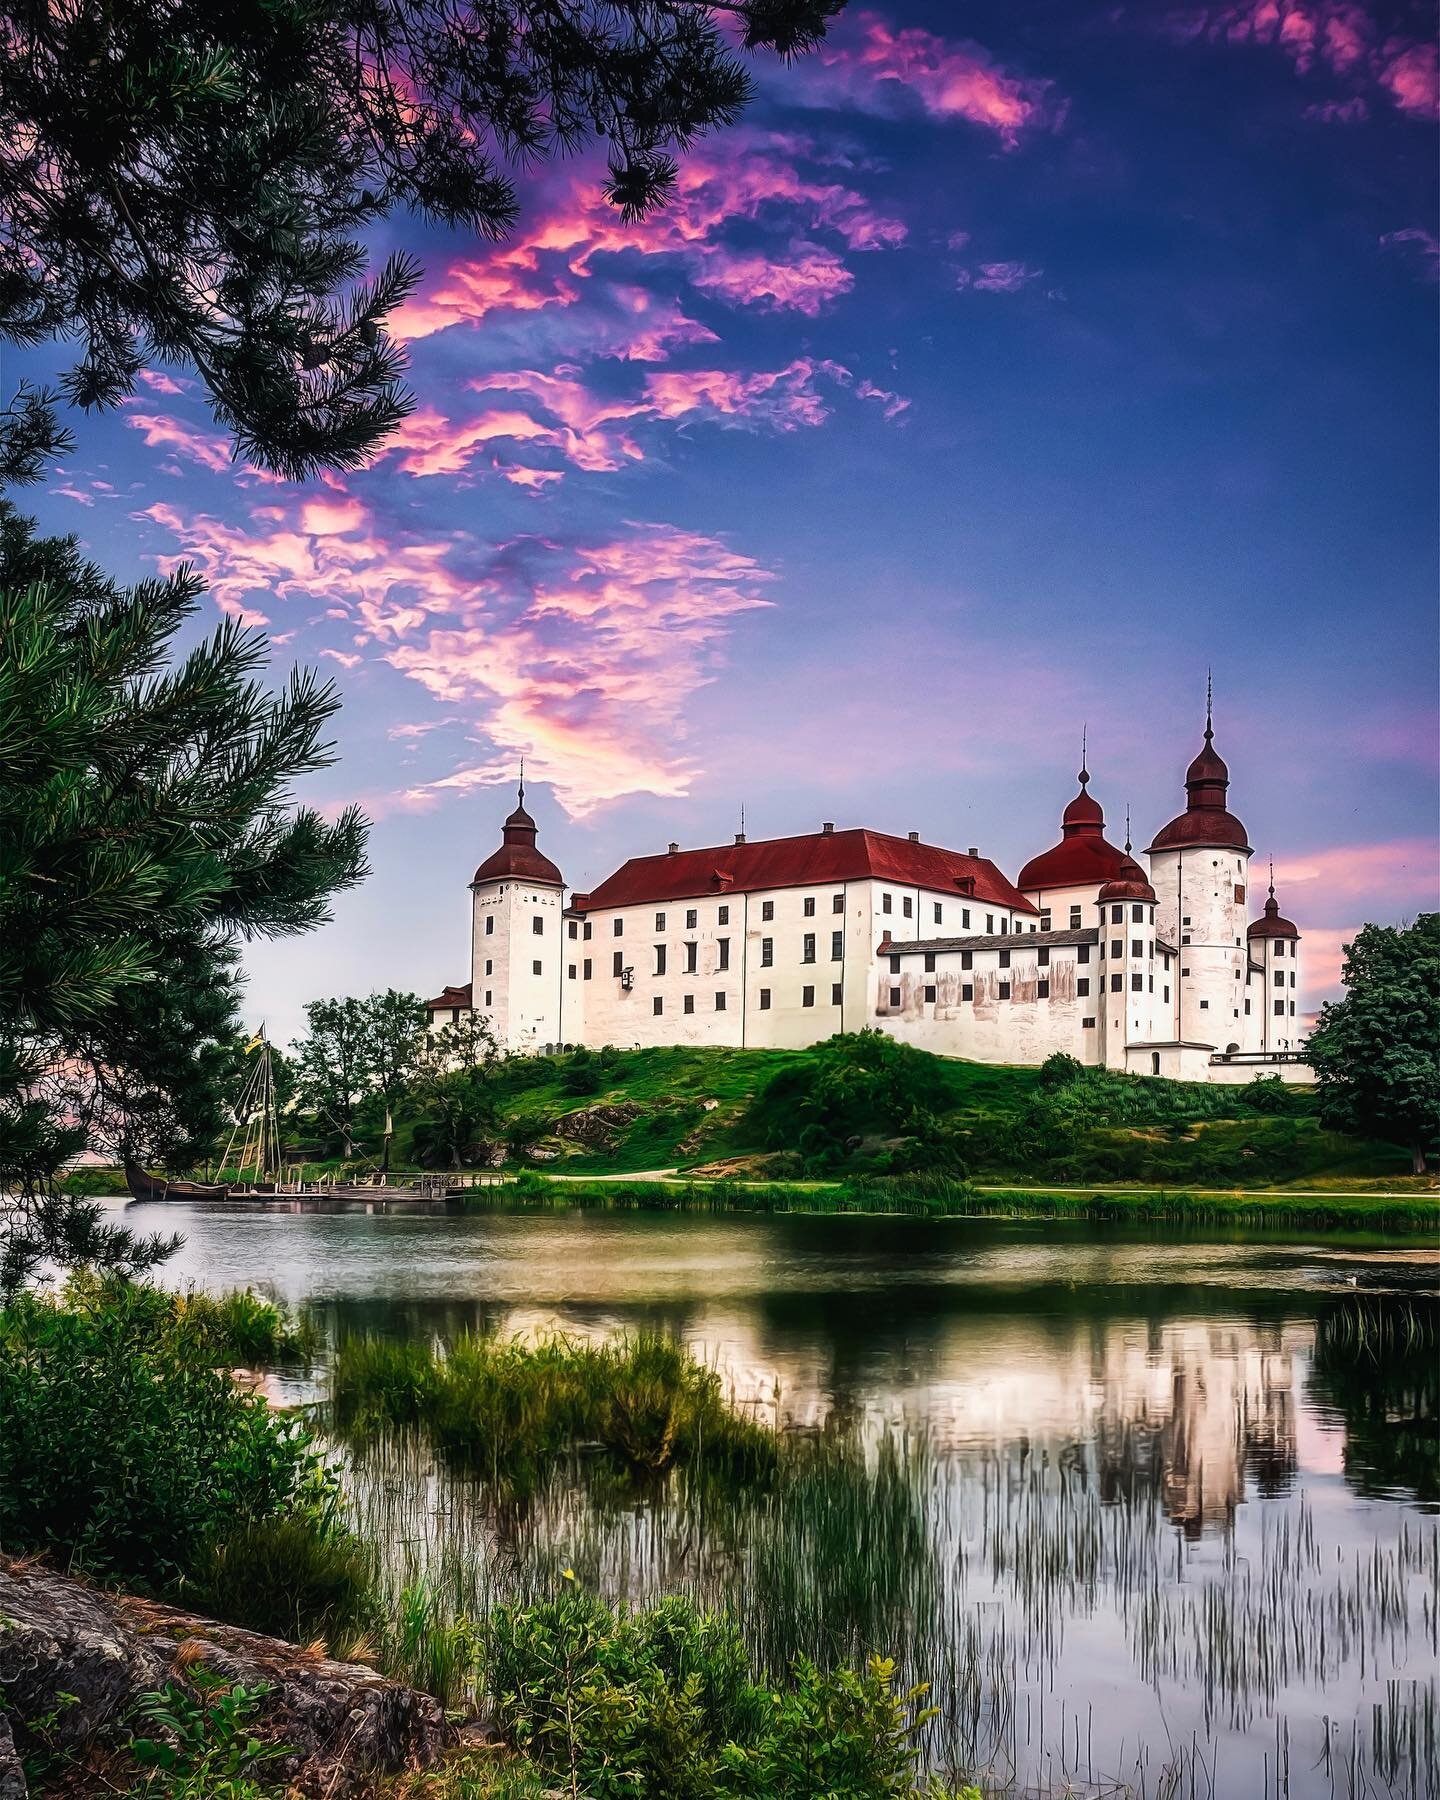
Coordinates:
342 1721
597 1127
545 1152
12 1774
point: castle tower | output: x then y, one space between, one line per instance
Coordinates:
1199 868
1062 881
1126 907
1274 945
516 945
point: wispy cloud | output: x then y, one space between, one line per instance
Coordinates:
1420 247
162 432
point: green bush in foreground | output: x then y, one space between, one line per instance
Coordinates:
663 1701
288 1577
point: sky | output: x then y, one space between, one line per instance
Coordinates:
1003 371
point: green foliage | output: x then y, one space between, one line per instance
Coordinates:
456 1085
237 1329
421 1645
1376 1053
123 1451
663 1701
197 1741
289 1577
1059 1070
512 1407
145 831
152 205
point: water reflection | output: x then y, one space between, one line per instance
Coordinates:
1147 1510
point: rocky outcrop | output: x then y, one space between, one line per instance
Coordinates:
78 1658
598 1127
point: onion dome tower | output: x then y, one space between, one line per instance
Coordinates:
1274 944
516 943
1125 911
1199 868
1084 857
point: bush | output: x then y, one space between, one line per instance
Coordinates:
663 1701
236 1329
1060 1069
289 1578
122 1450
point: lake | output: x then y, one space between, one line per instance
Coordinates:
1156 1514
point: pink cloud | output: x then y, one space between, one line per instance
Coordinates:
1421 246
161 383
211 451
873 66
1338 37
997 277
1389 877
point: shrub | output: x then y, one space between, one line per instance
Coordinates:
123 1450
288 1577
237 1329
1060 1069
663 1701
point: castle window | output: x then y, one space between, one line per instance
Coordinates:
1137 946
1279 978
586 932
574 929
1184 971
723 946
720 1003
964 918
724 916
1044 921
1087 1024
489 924
659 959
1292 1009
1279 946
939 912
1165 996
967 959
1075 918
1117 946
764 999
455 1012
837 946
894 996
836 994
807 996
767 952
487 996
1082 953
1150 987
619 964
692 919
1117 913
989 924
586 969
929 962
886 904
534 968
1137 915
807 947
1247 1009
767 909
930 993
657 1006
572 971
687 1003
1004 926
1279 1009
1184 937
1186 919
809 906
1042 990
837 903
659 921
619 928
537 925
1292 978
692 950
1004 959
1137 984
1004 990
489 966
1167 965
1116 983
905 906
967 990
1082 987
1204 1006
1043 957
894 965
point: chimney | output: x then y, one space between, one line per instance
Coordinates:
972 851
674 849
739 837
827 828
914 837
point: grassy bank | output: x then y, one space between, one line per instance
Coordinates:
921 1196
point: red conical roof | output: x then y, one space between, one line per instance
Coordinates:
1272 925
517 855
1205 822
1083 856
1129 883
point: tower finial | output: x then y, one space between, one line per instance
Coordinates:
1209 704
1127 827
522 780
1272 877
1084 753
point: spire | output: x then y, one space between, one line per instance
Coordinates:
1084 754
1127 827
1083 817
1209 704
522 783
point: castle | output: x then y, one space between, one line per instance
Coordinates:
778 943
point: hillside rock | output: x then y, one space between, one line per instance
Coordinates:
58 1637
600 1126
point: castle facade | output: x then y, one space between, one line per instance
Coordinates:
778 943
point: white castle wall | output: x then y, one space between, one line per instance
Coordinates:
1203 899
521 1003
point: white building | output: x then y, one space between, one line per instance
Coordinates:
779 943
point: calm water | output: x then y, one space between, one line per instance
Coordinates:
1147 1516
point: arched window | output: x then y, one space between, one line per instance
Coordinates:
1154 1062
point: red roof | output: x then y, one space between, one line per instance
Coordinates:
517 855
1129 884
1205 820
818 859
1272 925
451 996
1083 857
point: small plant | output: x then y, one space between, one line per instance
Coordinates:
197 1742
286 1577
430 1651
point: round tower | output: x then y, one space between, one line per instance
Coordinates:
1274 989
1199 868
516 947
1126 906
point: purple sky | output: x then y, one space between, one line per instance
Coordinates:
1005 368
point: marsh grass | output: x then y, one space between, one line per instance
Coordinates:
511 1408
